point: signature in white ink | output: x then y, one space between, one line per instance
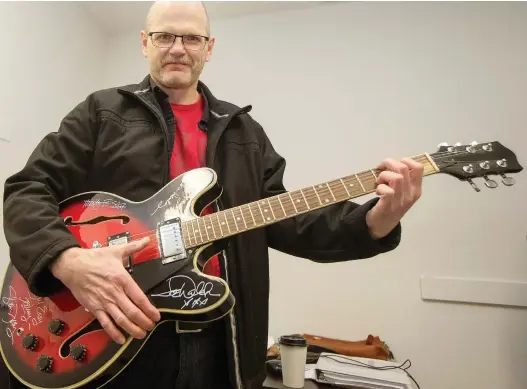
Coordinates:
32 311
11 303
105 203
162 204
193 295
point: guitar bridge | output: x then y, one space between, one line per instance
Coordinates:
171 244
122 238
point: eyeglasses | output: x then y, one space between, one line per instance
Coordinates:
165 40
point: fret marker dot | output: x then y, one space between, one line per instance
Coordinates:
268 218
237 218
208 226
327 201
196 231
265 210
351 184
297 200
222 223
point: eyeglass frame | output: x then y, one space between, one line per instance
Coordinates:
178 36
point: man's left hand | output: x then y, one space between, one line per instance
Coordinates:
399 186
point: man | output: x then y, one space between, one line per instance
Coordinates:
131 141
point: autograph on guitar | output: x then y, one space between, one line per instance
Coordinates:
54 342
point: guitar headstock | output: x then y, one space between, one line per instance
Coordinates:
477 160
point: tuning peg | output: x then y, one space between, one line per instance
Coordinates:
444 144
490 183
509 181
474 143
473 185
458 144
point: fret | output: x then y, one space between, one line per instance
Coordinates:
195 229
252 216
292 202
201 226
260 209
311 199
198 220
248 215
207 227
248 208
300 202
234 218
278 209
226 222
266 210
239 216
307 204
330 191
369 179
344 185
324 195
186 235
374 175
212 223
258 215
335 189
219 223
362 186
318 197
271 208
281 205
248 218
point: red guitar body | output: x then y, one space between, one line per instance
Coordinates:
54 342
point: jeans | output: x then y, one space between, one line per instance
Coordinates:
174 361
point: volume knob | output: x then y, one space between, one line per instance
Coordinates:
78 352
56 326
44 363
30 342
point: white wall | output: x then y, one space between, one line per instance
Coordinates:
51 59
342 86
338 88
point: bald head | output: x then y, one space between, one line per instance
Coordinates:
166 8
177 44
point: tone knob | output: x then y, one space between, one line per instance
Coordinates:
56 326
30 342
78 352
44 363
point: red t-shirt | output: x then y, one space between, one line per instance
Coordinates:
190 145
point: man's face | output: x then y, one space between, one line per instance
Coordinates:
179 64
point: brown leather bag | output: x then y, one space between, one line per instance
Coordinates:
372 347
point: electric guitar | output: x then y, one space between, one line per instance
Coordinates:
53 342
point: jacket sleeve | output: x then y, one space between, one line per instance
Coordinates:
55 170
331 234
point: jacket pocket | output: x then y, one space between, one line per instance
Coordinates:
240 145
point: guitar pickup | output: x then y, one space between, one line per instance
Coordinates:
171 244
122 238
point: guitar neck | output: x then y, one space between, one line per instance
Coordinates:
273 209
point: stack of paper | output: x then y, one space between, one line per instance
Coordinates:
360 372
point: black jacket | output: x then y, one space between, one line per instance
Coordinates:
119 140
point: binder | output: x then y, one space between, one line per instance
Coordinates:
355 372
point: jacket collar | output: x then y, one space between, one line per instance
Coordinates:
212 106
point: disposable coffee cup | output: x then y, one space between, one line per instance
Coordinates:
293 353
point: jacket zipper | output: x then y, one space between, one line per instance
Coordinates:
232 319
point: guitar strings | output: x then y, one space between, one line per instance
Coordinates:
337 192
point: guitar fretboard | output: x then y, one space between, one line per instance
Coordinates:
273 209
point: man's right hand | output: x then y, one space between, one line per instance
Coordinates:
99 281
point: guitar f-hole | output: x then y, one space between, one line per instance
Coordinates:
96 220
